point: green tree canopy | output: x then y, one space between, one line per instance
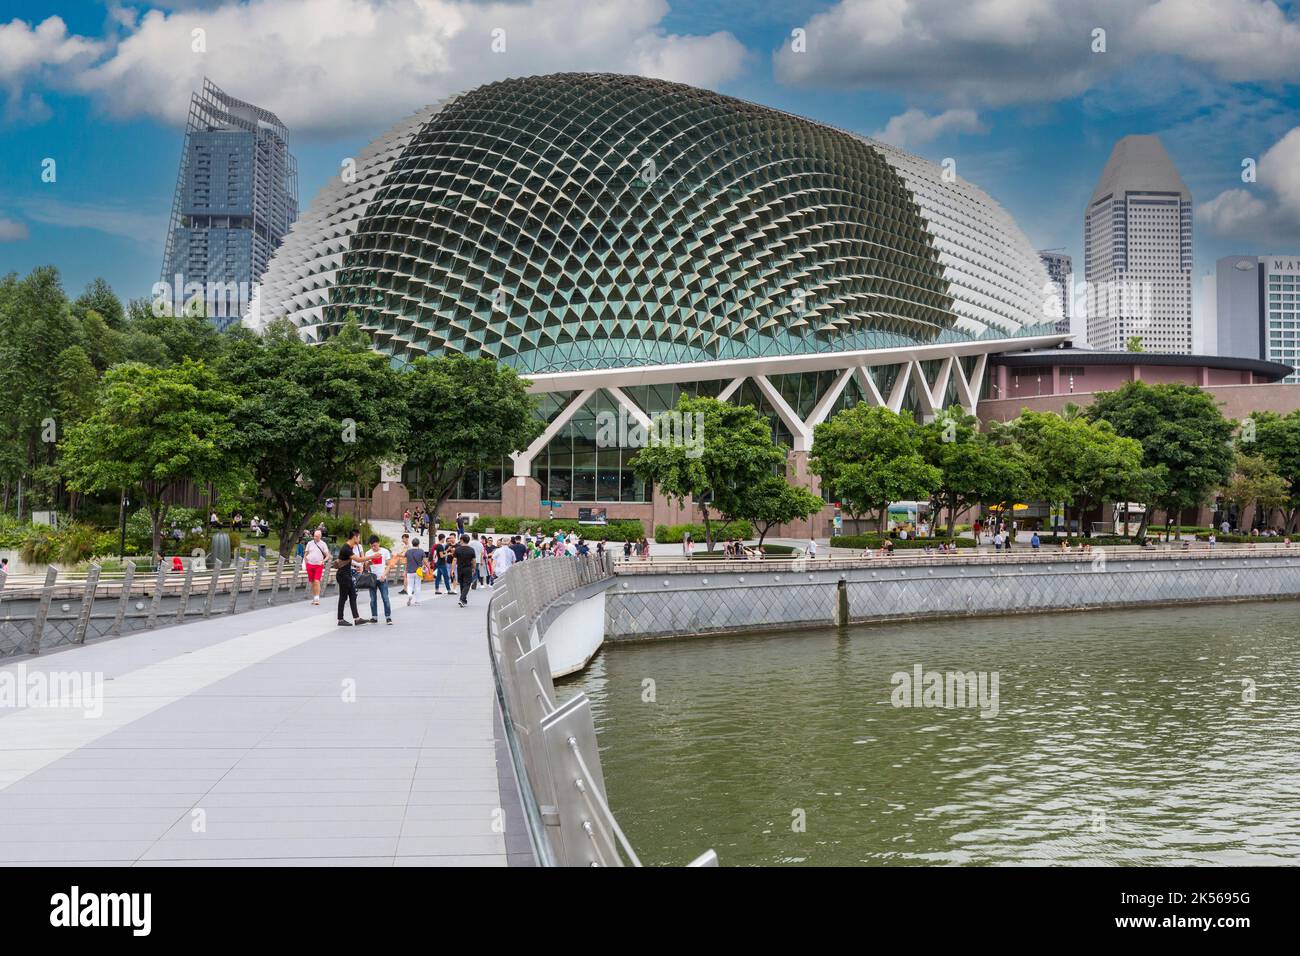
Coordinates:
1277 438
729 452
311 416
868 456
1183 434
464 413
774 501
1254 481
973 469
152 431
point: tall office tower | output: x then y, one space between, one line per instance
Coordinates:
1137 251
1060 270
1258 303
236 197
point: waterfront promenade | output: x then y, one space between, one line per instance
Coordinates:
269 737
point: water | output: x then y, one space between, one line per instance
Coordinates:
1121 737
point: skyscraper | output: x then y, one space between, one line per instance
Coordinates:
1258 301
236 197
1060 271
1137 248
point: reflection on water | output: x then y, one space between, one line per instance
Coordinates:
1120 737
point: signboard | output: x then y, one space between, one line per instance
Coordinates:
390 471
591 516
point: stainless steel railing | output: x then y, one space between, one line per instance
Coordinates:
553 745
68 609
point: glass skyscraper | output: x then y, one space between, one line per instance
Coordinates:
236 197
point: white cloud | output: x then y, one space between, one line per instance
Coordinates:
31 54
11 230
1018 51
1267 210
327 66
115 219
916 128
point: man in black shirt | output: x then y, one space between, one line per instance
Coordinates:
518 548
466 565
441 572
347 588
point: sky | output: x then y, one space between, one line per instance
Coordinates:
1026 96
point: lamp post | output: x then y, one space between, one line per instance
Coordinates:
122 523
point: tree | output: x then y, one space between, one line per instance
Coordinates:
35 327
1133 343
1255 481
311 416
464 413
973 469
1277 438
868 456
170 339
99 297
773 501
152 431
1080 462
1182 432
729 452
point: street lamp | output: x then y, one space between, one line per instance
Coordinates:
126 502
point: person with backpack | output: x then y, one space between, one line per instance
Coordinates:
414 571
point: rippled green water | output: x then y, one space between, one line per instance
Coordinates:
1120 737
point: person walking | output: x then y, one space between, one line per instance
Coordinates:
406 520
347 563
503 558
377 559
399 560
812 548
315 555
414 568
477 545
466 568
688 546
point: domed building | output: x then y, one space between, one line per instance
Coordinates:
619 240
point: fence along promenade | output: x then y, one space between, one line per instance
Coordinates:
553 744
71 609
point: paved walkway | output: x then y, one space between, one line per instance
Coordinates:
273 737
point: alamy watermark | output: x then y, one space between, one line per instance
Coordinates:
672 428
73 690
216 300
949 690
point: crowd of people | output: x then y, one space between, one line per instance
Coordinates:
444 563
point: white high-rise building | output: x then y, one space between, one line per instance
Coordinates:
1137 247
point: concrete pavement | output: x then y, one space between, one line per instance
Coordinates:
270 737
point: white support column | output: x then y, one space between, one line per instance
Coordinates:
976 380
899 391
802 433
922 389
732 386
868 385
940 387
640 417
965 395
827 401
524 459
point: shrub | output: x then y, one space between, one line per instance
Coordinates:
40 546
618 529
76 543
1241 538
861 541
673 534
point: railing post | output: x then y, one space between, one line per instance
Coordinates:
275 583
234 584
160 583
124 599
87 604
43 609
212 587
293 578
257 583
586 831
186 589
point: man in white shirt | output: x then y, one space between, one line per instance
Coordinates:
315 556
477 545
503 558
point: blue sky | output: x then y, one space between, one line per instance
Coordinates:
1013 90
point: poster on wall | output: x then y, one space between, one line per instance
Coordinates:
591 516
